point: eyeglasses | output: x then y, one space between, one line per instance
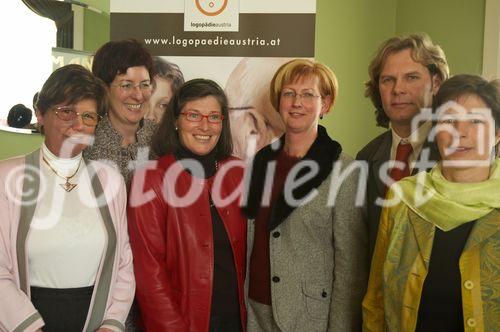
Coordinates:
306 97
68 113
128 87
197 117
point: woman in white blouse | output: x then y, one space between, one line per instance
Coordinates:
65 260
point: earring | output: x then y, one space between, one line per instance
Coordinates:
321 116
175 128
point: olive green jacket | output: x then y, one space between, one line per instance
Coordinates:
400 265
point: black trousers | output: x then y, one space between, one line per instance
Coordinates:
62 309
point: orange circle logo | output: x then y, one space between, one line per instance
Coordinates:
211 7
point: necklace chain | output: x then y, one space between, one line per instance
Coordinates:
68 186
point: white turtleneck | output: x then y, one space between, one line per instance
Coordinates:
67 236
64 166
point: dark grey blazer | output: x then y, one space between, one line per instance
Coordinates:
376 153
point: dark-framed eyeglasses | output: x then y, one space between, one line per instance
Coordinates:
68 113
197 117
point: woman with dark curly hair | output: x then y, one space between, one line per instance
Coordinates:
123 136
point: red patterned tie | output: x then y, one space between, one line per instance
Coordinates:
402 154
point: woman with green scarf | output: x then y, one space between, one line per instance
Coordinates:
436 265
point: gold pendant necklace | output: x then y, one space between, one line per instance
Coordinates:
68 186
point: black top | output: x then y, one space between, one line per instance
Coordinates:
225 298
208 162
441 302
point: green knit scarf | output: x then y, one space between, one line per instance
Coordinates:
450 204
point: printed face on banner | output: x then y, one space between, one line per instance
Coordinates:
254 121
211 15
159 99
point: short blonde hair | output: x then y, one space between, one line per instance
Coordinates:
297 69
423 51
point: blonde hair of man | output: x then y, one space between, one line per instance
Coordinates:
423 51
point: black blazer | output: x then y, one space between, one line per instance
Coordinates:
376 153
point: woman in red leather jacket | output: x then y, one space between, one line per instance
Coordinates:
187 233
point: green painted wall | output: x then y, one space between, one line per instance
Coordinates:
96 26
15 144
347 35
102 5
96 30
458 26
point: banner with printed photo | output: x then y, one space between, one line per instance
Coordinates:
237 43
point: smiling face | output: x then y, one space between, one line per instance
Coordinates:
67 138
466 132
199 137
301 114
129 96
405 87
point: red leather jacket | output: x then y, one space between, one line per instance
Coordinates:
173 245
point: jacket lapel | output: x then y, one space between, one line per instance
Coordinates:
103 282
31 186
380 157
424 233
255 177
484 228
323 152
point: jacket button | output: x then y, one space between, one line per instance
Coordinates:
276 235
324 294
468 284
471 322
276 279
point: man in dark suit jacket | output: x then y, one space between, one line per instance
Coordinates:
405 74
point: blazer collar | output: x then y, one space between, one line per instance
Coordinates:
324 152
381 155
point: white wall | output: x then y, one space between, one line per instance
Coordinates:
26 62
491 53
